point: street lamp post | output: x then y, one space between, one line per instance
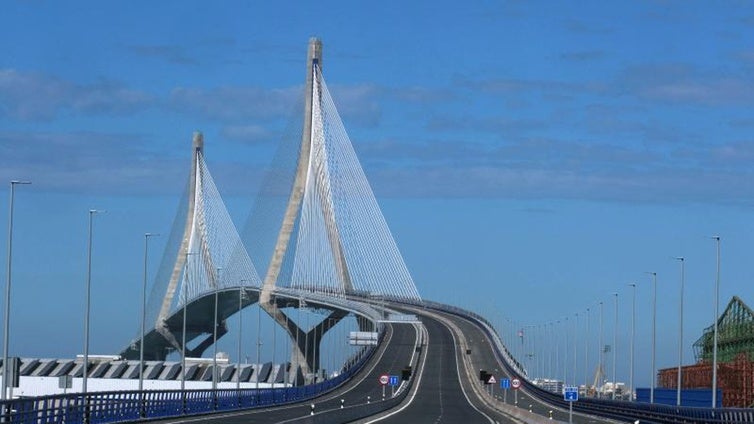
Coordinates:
214 337
575 340
274 341
565 350
92 212
654 336
187 275
716 335
586 351
601 347
6 328
557 349
144 310
680 332
549 356
259 346
241 294
633 335
615 343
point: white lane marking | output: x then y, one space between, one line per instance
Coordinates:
282 408
458 370
418 378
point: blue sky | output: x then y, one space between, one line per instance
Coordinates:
531 158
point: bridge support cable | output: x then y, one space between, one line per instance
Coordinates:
333 238
204 255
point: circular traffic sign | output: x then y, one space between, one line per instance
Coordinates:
384 379
515 383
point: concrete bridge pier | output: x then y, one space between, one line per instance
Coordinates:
305 345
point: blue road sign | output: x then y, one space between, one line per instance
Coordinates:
505 383
571 394
394 380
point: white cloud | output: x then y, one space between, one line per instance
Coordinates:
232 104
32 96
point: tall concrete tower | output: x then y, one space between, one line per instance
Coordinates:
312 103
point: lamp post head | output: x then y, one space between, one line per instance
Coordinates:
147 235
14 182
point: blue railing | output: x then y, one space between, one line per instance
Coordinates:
111 407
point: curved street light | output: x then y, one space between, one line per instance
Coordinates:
716 334
680 333
6 327
633 336
144 309
654 336
92 212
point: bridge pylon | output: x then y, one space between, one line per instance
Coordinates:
204 258
305 351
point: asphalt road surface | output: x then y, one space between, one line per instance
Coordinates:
440 397
391 358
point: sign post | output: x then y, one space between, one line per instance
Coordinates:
515 384
491 383
384 379
393 381
505 384
570 395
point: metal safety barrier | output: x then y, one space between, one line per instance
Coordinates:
617 409
123 406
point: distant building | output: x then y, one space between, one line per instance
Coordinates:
555 386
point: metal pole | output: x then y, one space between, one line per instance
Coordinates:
287 354
654 336
586 351
143 310
274 341
241 294
564 335
715 336
601 348
259 346
575 335
615 344
214 336
298 347
540 352
549 356
185 301
92 212
6 327
633 335
557 349
680 332
317 346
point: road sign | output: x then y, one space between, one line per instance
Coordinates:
515 383
394 380
384 379
505 383
571 394
491 380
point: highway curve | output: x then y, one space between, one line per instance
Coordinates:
483 357
391 358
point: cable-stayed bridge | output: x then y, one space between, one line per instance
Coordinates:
331 252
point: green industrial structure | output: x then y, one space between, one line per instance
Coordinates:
735 328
